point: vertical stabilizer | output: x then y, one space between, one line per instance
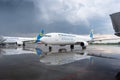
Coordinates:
39 36
91 34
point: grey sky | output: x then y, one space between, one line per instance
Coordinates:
71 16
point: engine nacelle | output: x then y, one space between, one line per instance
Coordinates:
84 44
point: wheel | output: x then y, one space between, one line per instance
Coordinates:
84 47
71 47
50 48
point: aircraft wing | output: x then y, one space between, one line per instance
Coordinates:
105 39
2 39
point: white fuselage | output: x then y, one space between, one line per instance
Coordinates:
63 39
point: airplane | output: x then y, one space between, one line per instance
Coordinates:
63 39
17 40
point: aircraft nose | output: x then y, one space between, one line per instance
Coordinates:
42 39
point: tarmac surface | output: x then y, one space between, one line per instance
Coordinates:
97 62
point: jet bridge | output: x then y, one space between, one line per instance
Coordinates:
115 18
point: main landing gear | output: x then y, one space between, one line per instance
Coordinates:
72 47
50 48
83 47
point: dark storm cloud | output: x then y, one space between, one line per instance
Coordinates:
64 26
71 16
80 15
20 16
17 16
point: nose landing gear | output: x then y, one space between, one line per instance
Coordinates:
71 47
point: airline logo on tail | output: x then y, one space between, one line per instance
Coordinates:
39 36
91 34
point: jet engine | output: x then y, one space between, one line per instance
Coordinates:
84 45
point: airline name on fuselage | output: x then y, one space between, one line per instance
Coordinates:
66 35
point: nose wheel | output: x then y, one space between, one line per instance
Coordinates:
71 47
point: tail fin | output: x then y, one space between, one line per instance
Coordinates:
39 36
91 34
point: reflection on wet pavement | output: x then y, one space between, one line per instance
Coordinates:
14 51
95 63
62 58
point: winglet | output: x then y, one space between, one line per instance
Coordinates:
91 34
